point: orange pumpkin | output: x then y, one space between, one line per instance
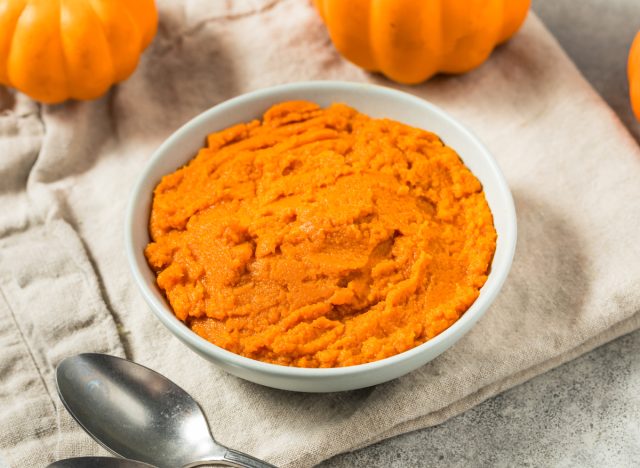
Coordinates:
411 40
633 72
54 50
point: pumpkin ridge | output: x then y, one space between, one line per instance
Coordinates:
65 62
11 34
633 75
114 78
147 29
471 45
372 36
35 66
512 19
119 58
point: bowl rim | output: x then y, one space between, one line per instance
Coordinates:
490 289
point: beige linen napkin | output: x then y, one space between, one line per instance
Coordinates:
66 173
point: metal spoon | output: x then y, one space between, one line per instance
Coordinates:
97 462
139 414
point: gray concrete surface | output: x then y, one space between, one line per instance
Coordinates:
585 413
597 34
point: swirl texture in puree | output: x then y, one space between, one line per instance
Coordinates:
321 237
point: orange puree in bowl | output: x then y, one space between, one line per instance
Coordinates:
321 237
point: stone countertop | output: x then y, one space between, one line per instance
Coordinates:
585 413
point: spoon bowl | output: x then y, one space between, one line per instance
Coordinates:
139 414
98 462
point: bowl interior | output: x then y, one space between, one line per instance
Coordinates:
372 100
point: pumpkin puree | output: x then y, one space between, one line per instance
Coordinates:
321 237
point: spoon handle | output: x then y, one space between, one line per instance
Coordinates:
235 458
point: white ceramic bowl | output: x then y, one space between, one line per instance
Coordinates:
374 101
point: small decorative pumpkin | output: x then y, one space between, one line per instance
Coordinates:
411 40
72 49
633 72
